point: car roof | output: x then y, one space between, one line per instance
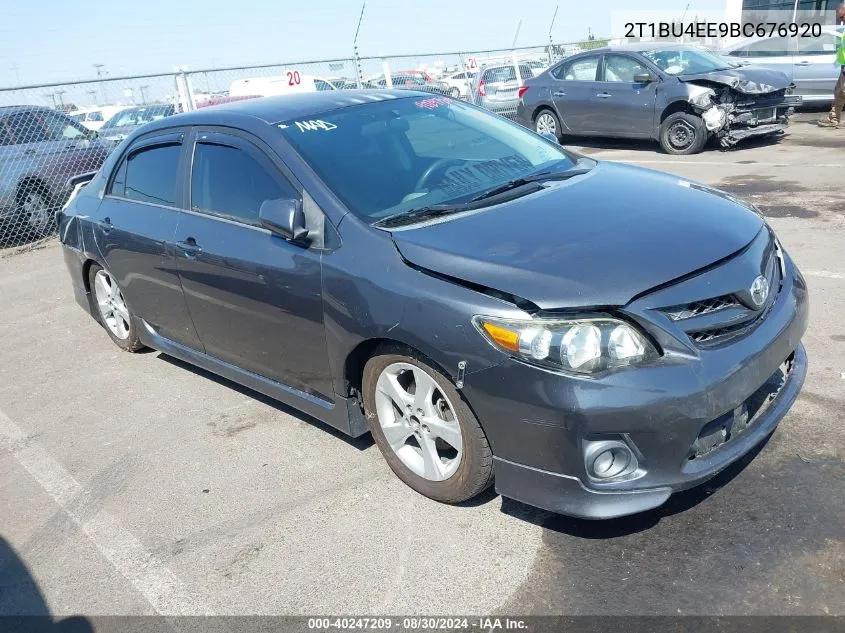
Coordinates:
26 108
284 107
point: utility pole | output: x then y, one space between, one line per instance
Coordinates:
516 35
100 68
141 89
52 95
59 93
355 47
551 40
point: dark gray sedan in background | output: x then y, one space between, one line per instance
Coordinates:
678 95
491 307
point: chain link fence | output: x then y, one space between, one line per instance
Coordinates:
51 133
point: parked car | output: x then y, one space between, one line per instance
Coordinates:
290 82
496 87
416 82
484 302
40 149
94 118
461 81
809 62
679 95
125 122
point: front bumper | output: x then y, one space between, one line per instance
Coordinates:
538 422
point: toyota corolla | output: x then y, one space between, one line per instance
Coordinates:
590 336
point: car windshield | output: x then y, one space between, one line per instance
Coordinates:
400 155
685 61
138 116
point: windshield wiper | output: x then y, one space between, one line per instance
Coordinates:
520 182
423 213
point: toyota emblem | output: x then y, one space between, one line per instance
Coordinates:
759 291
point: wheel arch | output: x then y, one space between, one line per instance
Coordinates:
30 182
679 105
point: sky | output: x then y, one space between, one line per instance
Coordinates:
52 40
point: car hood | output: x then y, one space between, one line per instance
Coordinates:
747 79
596 240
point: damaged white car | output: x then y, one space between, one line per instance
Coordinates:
679 95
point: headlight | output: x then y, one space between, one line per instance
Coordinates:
587 345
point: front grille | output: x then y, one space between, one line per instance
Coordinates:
697 308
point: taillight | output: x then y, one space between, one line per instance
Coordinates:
521 91
481 90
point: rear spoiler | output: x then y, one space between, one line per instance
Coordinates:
80 179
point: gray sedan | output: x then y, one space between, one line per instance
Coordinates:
680 95
810 62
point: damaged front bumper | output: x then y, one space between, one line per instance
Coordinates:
733 117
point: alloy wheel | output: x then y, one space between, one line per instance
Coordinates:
546 124
418 421
111 304
37 210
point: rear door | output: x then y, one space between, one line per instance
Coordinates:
575 83
815 70
623 106
256 299
134 231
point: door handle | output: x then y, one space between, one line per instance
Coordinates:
804 63
603 95
189 247
559 94
106 225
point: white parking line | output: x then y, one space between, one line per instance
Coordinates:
158 584
827 274
712 162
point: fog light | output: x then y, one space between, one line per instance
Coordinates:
609 459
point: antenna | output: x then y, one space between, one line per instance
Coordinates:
516 35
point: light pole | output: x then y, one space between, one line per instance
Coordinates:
52 95
59 93
551 41
100 68
355 47
141 89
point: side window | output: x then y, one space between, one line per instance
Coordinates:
95 116
229 182
61 128
770 47
149 175
578 70
320 85
27 127
621 68
822 45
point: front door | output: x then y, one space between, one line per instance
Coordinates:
254 297
626 106
134 229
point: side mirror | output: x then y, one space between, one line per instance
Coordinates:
285 218
643 78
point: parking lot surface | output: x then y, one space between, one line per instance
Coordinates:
135 484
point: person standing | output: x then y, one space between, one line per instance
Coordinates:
833 119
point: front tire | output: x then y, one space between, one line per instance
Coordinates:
683 134
111 310
425 431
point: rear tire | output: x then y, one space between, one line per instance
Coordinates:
683 134
547 120
110 309
36 210
424 430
